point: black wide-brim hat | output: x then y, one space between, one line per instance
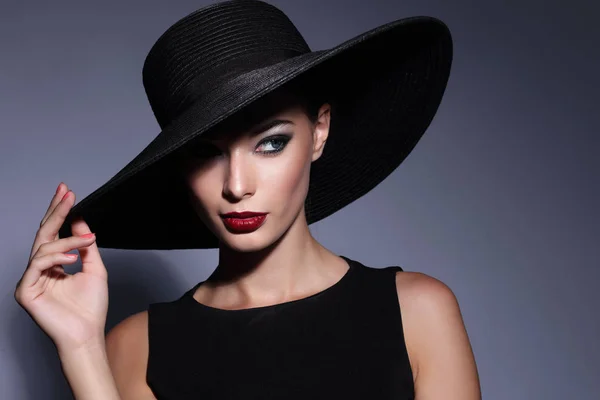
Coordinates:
384 87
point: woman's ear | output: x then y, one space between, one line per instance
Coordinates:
321 130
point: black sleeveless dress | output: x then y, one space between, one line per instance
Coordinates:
345 342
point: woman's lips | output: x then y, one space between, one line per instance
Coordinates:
243 222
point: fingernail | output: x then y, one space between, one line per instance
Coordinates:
87 235
66 194
58 188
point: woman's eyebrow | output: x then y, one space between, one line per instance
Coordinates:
211 137
269 124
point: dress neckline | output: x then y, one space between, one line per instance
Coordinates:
188 297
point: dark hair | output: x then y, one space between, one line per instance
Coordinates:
307 93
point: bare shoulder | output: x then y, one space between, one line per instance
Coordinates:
425 294
413 283
436 339
127 350
421 298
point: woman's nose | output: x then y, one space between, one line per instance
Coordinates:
239 179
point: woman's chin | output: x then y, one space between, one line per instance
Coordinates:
246 242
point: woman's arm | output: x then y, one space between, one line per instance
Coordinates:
443 362
115 368
70 308
88 373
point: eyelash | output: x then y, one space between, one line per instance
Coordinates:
283 139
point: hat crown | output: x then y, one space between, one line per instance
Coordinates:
213 44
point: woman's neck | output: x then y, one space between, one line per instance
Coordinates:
293 267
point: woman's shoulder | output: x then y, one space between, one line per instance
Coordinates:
130 334
127 352
413 286
425 302
434 330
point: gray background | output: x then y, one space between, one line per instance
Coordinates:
499 199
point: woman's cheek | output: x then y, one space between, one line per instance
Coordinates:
286 175
206 201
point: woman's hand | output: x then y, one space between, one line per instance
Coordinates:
70 308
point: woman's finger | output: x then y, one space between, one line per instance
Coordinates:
49 230
39 264
60 192
91 260
64 245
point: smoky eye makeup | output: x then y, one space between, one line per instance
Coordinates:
269 146
273 144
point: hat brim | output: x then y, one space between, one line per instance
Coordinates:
387 86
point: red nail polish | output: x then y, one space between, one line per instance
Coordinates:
58 188
66 194
87 235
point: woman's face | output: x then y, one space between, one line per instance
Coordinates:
264 168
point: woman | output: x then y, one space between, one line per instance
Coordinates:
260 137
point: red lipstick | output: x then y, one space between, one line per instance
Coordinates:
243 222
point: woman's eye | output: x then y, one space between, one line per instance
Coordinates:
273 144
